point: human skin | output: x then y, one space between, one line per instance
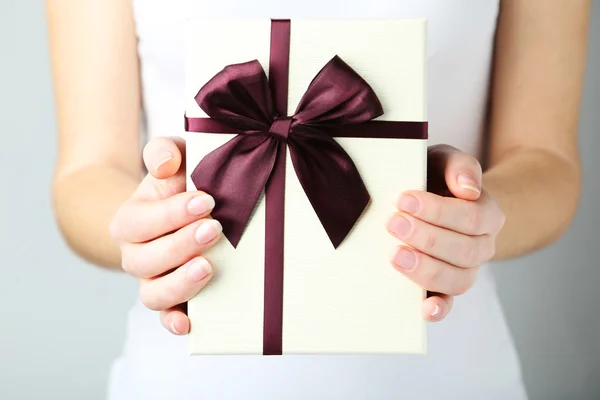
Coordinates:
522 199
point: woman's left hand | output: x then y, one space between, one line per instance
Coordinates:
449 231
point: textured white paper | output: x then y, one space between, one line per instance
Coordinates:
348 300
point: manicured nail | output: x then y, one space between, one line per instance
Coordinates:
173 329
409 203
198 270
468 182
202 204
436 311
162 157
405 259
208 230
399 225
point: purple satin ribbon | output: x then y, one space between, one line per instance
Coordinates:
240 99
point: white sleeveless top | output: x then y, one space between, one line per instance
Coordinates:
471 354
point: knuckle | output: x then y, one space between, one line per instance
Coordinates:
170 210
113 228
491 252
116 226
162 316
465 284
169 187
175 245
429 241
178 289
172 187
471 254
501 220
474 222
127 222
431 277
148 297
133 263
462 287
129 262
174 293
436 212
126 265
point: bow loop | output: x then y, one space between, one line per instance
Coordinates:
338 95
239 96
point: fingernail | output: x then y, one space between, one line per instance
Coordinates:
202 204
409 203
162 157
405 259
436 311
208 230
198 270
468 182
173 329
399 225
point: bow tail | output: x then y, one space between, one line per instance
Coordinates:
235 175
330 180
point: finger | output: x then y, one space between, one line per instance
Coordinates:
164 159
437 307
176 287
446 245
175 321
163 156
147 260
151 189
462 172
139 221
432 274
467 217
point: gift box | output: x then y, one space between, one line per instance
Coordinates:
305 132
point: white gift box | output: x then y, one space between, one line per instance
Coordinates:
348 300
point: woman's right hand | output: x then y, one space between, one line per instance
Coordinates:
162 230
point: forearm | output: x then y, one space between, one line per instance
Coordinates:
85 202
539 193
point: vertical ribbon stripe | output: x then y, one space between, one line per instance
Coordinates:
279 63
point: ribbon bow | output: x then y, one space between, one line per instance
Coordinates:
236 173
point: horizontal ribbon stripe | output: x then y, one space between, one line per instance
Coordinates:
371 129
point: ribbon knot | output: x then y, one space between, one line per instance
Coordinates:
280 128
236 174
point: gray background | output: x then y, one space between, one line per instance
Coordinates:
62 321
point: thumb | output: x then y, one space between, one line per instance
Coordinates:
164 156
461 171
